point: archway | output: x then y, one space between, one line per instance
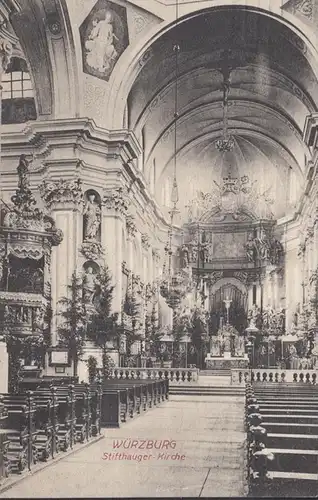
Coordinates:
136 57
233 290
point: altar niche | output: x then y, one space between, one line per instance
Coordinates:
227 346
236 314
92 217
90 272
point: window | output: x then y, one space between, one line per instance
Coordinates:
16 82
18 104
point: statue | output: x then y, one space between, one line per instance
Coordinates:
293 357
215 346
194 254
204 253
239 346
254 316
210 253
184 260
92 218
262 246
89 285
38 318
23 173
250 248
276 251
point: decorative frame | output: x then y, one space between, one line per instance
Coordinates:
57 361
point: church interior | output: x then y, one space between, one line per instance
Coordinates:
159 236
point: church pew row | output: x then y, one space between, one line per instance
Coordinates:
282 426
40 424
125 399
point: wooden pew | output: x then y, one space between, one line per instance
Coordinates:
21 431
124 398
65 415
290 418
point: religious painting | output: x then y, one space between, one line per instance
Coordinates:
229 245
104 37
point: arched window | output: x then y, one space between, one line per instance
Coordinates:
18 103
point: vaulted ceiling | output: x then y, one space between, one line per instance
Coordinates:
273 89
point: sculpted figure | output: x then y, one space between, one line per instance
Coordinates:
23 172
250 248
91 218
89 284
184 257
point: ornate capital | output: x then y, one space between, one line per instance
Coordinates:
117 200
145 241
62 192
130 225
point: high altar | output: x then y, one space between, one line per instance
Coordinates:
227 349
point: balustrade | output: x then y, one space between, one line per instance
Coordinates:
275 375
174 375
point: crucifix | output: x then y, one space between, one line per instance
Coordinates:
227 303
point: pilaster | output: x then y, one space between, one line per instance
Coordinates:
64 202
114 211
131 232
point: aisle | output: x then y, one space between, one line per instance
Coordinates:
205 456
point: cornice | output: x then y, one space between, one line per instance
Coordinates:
59 132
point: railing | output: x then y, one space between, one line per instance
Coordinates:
176 375
275 375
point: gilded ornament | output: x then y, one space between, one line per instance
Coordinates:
61 192
92 250
116 199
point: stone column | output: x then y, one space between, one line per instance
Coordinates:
259 292
64 200
114 212
250 296
276 290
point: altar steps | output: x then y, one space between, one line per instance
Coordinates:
203 390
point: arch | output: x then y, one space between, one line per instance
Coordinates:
49 48
228 281
132 61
